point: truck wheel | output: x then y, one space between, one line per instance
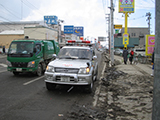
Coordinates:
16 73
39 70
50 86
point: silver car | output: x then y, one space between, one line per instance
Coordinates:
74 65
118 52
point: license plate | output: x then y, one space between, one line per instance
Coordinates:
18 69
65 79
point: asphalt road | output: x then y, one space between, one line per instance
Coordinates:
25 97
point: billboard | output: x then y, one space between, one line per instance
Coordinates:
102 39
125 38
78 31
53 20
117 26
150 42
126 6
68 29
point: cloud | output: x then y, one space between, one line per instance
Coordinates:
89 14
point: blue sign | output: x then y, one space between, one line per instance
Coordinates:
51 20
78 31
68 29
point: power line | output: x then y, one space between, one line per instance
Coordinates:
9 11
152 1
131 19
31 6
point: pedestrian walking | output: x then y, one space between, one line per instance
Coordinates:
125 54
131 56
152 63
4 50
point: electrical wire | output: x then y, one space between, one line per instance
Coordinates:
31 6
10 11
152 1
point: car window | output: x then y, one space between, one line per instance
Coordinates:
70 53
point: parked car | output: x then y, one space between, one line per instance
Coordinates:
139 52
74 65
118 52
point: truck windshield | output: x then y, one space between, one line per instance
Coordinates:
18 49
74 53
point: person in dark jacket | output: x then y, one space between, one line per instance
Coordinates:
125 54
152 62
4 50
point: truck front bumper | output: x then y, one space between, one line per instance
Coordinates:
22 70
68 79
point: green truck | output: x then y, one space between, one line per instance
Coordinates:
30 55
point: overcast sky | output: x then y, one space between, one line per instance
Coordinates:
87 13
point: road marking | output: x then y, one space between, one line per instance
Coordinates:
3 71
32 80
4 65
98 88
1 56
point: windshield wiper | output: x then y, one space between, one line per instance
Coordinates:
84 58
69 57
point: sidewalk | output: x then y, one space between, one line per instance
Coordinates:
131 69
128 96
3 56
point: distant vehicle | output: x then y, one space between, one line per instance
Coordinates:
118 52
30 55
139 52
74 65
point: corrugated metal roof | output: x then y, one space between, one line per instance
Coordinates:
12 32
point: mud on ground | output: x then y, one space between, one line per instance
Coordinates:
122 97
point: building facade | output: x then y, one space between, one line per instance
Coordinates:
137 32
34 29
136 37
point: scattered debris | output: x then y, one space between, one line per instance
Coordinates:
123 97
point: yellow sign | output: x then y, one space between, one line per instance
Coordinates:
76 31
125 45
117 26
126 6
150 43
125 39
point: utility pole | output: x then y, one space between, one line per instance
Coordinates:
21 9
108 19
111 34
156 85
148 19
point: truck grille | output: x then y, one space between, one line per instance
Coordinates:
19 64
67 70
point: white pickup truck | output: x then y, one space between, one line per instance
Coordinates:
74 65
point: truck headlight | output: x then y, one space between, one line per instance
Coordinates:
9 63
84 70
31 64
50 69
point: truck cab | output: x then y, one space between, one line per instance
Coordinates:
29 55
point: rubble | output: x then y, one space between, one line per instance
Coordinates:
122 96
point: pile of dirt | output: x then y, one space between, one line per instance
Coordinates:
129 96
82 112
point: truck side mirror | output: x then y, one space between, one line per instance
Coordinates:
34 50
54 56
